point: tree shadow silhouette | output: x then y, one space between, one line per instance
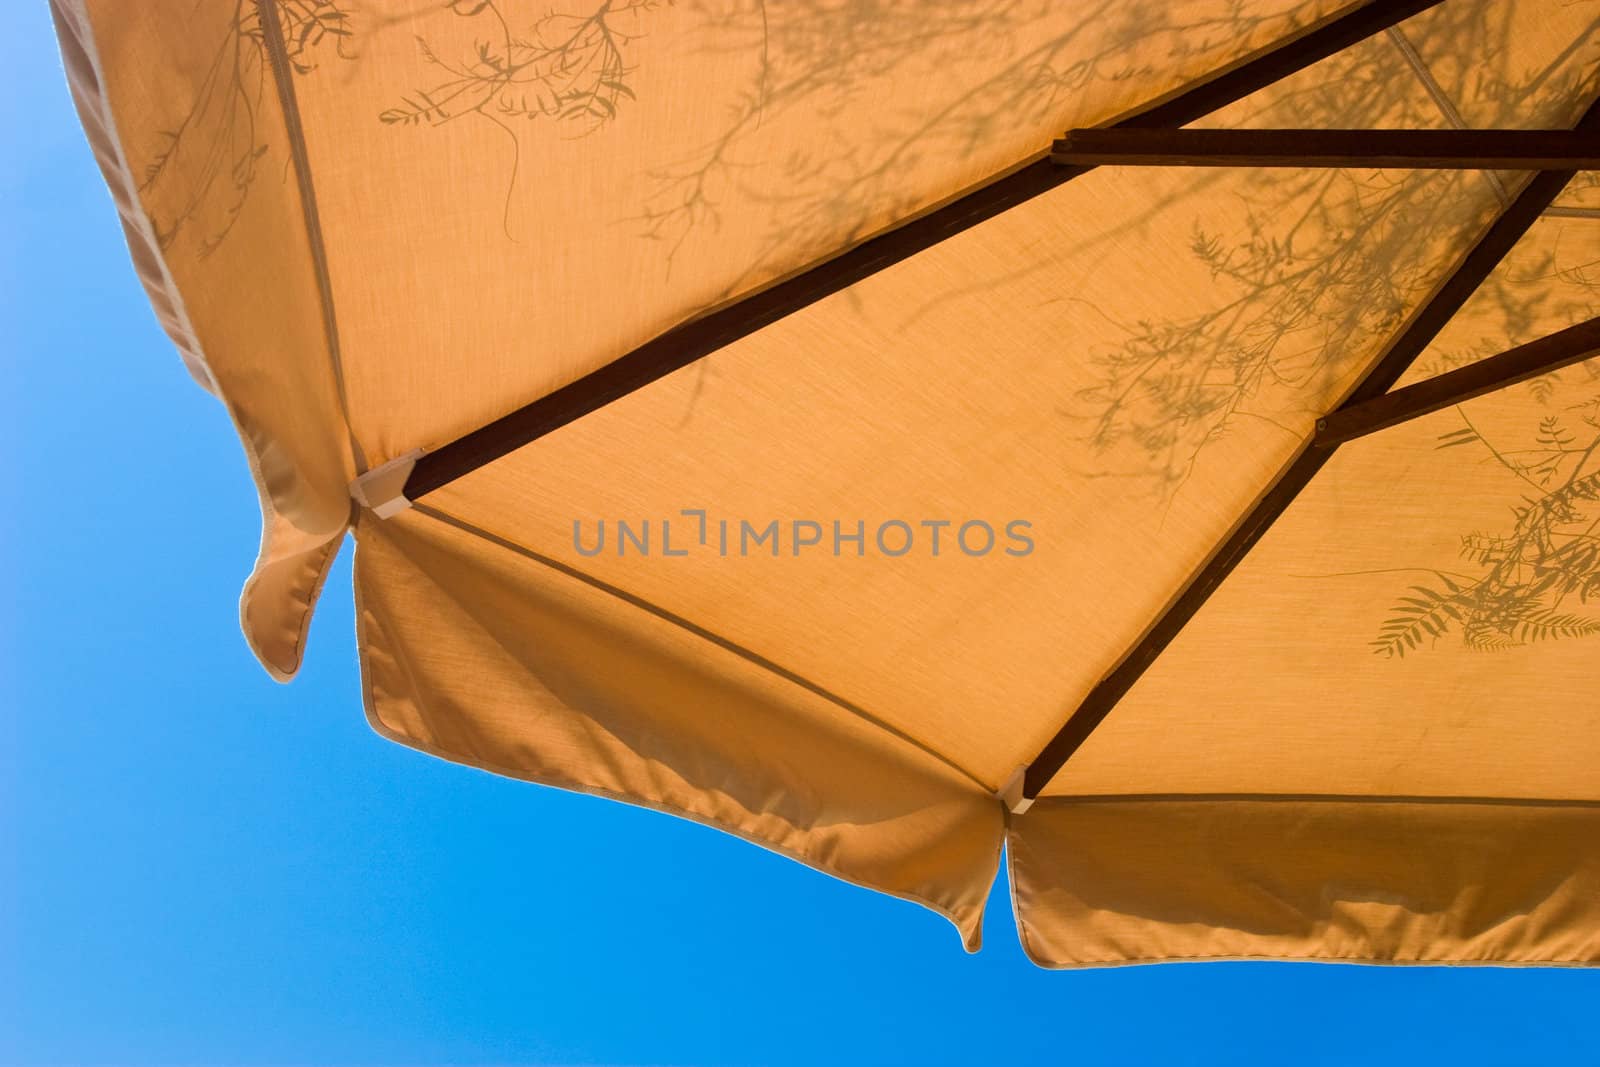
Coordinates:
826 61
1325 269
200 177
1534 574
821 59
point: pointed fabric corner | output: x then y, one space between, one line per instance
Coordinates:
368 239
233 288
484 655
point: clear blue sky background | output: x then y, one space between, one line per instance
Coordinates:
199 866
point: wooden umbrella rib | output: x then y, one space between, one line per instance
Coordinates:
682 346
1397 356
1411 149
1561 349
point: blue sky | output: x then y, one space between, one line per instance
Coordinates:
200 866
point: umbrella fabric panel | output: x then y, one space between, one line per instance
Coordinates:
515 198
701 149
473 651
1280 685
1424 620
1154 879
223 252
1550 280
1122 364
1583 194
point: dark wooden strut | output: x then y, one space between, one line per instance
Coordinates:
1397 356
683 345
1561 349
1413 149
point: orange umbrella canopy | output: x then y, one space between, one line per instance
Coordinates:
769 412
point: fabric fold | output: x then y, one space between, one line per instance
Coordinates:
233 289
1101 881
476 654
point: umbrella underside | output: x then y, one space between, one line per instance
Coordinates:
769 413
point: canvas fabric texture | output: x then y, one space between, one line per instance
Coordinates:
371 227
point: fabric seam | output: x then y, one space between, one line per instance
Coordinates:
190 341
697 630
1313 798
383 730
288 105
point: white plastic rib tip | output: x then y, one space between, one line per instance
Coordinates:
1011 793
382 489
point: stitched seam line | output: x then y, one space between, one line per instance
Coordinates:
1314 798
1446 106
75 26
819 862
283 79
1318 957
749 656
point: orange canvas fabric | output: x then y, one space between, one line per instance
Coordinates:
372 227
